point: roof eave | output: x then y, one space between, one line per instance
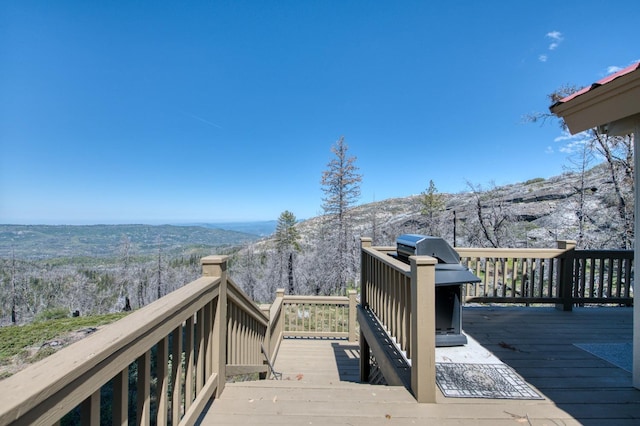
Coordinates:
601 105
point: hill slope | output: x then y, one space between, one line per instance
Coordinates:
539 212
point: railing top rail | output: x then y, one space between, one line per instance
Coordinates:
380 253
28 388
520 253
317 300
611 253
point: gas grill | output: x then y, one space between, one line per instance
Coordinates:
450 276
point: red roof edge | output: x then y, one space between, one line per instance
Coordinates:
631 68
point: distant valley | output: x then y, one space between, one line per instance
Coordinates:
55 241
259 228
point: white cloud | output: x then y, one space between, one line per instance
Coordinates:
549 150
614 68
572 143
555 35
573 146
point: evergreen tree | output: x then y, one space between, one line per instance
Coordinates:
287 238
432 204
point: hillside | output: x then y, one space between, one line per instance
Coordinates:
47 241
539 212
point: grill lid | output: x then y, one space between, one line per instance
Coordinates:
423 245
448 270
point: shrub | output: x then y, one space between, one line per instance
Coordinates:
52 314
534 180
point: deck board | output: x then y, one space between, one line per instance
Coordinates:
321 386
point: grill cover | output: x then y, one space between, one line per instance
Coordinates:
448 270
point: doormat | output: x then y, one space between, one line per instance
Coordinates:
495 381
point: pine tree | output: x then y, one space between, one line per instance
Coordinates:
432 205
287 238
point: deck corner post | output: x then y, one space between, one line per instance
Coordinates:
365 350
352 315
266 343
365 242
423 326
565 285
280 297
214 266
217 266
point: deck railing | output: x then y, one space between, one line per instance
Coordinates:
398 300
176 353
391 291
293 316
163 363
316 316
563 276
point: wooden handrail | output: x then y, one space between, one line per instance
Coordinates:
214 329
319 316
563 276
398 300
395 311
47 390
197 323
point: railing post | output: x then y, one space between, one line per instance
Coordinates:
565 273
277 318
216 266
423 328
280 295
352 315
365 350
266 310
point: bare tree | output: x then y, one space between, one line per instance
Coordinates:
341 187
617 152
581 160
493 218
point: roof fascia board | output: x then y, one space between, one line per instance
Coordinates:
602 105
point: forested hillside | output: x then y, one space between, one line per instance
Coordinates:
594 208
102 268
98 269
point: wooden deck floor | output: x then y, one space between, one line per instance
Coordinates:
321 386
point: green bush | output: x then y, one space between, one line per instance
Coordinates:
52 314
534 180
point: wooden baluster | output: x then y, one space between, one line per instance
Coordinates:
163 380
121 397
90 410
176 375
143 414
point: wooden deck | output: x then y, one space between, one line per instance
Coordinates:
321 386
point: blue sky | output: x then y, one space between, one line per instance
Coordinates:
169 112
